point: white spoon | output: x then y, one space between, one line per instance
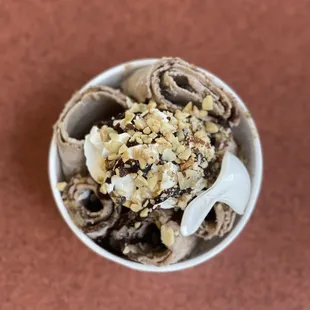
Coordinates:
232 187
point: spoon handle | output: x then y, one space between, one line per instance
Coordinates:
195 214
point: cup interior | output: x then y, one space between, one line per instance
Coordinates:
246 135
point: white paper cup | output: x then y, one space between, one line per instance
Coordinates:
246 135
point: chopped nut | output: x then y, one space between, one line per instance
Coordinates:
196 125
122 149
149 155
163 106
113 146
137 134
129 116
135 207
144 212
181 125
167 235
136 108
154 124
209 153
168 155
185 155
187 164
125 156
207 103
147 130
161 148
131 132
146 139
181 149
188 178
141 181
113 136
61 186
139 140
167 128
113 156
144 192
211 127
152 105
173 121
126 250
188 108
169 136
127 204
142 163
195 111
181 115
163 141
136 153
152 181
182 204
175 145
137 225
181 135
104 133
201 134
140 123
153 135
202 113
143 136
135 198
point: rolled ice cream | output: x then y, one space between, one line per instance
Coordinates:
80 113
135 158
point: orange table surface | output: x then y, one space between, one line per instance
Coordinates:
48 49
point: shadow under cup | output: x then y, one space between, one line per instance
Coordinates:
245 134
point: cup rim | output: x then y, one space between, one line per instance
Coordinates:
191 262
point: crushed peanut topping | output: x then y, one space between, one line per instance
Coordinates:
152 154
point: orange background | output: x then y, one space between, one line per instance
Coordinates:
48 49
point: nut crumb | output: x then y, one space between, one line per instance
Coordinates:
207 103
167 235
61 186
135 207
188 108
211 127
122 149
168 155
144 212
137 225
185 155
126 250
147 130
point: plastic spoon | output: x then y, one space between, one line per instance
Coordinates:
232 187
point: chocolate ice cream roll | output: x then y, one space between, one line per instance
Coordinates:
154 241
80 114
172 81
90 210
218 222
